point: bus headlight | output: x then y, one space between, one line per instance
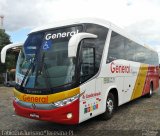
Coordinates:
66 101
69 115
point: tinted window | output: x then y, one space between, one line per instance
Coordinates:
97 43
116 47
51 67
124 48
145 55
154 59
129 50
87 64
140 54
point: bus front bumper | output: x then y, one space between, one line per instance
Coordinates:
57 115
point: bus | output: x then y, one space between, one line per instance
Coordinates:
74 70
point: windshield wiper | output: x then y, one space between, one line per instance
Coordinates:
27 72
43 68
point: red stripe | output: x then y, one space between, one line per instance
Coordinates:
58 115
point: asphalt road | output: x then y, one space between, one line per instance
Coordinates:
139 117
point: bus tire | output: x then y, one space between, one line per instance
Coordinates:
110 107
149 95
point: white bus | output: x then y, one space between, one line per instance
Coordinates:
78 69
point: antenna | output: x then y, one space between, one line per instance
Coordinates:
1 21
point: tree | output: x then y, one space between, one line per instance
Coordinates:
4 40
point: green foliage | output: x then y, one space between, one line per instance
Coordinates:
4 40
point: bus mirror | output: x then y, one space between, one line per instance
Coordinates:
5 48
75 40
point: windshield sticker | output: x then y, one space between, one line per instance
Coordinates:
32 47
19 78
60 35
47 45
91 107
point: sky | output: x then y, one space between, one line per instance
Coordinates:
141 18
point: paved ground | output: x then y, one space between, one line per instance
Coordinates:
139 117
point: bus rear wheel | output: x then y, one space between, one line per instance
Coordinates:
110 107
149 95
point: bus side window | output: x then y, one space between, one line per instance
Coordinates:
129 50
87 64
116 48
140 54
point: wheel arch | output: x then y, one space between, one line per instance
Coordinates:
114 91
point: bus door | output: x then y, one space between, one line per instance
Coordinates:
88 84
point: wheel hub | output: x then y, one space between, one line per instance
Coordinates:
110 105
150 91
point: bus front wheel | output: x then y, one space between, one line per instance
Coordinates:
110 107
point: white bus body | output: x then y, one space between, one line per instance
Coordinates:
107 67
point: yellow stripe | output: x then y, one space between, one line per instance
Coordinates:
46 98
140 82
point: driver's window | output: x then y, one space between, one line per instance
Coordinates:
87 64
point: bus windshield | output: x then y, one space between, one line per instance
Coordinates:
43 62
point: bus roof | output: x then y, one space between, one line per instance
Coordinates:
97 21
73 22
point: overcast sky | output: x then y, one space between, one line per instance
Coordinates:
139 17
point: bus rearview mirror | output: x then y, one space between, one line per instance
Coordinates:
75 40
5 48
